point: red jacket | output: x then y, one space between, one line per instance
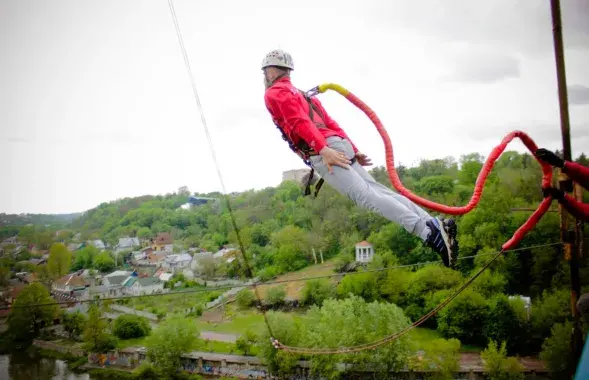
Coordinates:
290 110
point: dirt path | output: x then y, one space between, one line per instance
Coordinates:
210 335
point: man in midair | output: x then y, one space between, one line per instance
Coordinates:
319 140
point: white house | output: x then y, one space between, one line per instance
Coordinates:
364 252
127 243
98 244
141 286
177 262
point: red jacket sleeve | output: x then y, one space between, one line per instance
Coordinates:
296 121
578 173
331 124
577 209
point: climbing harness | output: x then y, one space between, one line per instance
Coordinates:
394 177
302 149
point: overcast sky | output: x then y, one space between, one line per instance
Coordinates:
96 103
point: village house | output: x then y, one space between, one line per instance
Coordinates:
364 252
127 243
142 286
70 287
98 244
177 262
163 242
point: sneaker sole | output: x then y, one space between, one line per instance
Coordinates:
446 241
453 231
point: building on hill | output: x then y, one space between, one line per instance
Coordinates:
98 244
297 175
163 242
195 201
127 243
143 285
177 262
364 252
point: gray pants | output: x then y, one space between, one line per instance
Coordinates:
358 185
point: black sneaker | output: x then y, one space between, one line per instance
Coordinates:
439 241
451 230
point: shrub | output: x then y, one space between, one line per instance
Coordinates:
498 366
131 326
317 291
245 298
276 295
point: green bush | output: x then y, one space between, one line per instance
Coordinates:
276 295
498 366
557 352
317 291
131 326
464 318
245 298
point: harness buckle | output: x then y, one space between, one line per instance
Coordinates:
312 92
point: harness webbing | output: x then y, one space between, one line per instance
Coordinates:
303 150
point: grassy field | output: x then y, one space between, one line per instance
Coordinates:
172 302
293 289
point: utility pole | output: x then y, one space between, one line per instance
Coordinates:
570 240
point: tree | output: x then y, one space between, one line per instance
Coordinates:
440 356
131 326
175 336
104 262
97 337
74 323
315 292
26 319
244 298
464 318
244 343
353 321
84 258
60 260
276 296
557 352
498 366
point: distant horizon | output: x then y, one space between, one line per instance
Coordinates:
415 164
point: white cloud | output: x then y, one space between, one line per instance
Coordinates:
96 103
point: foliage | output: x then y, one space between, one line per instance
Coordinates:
315 292
97 337
464 318
557 352
245 342
131 326
25 319
73 323
498 366
276 296
440 359
175 336
104 262
59 261
245 298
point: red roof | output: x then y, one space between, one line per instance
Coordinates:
164 238
363 243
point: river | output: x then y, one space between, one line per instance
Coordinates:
24 366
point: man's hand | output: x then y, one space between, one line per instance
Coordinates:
333 157
363 159
549 157
552 192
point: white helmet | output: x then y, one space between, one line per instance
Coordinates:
278 58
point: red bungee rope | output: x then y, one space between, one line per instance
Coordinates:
452 210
